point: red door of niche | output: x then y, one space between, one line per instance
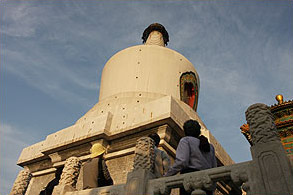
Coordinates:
190 94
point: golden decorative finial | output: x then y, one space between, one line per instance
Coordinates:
279 98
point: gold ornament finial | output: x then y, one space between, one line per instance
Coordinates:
279 98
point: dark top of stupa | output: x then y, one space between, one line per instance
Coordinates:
155 27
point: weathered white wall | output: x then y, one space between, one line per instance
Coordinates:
144 68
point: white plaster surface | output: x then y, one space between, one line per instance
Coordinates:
31 152
146 68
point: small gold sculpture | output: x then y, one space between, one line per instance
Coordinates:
279 98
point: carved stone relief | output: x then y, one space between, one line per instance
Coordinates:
144 154
69 176
261 123
21 182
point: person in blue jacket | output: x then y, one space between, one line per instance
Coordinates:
194 153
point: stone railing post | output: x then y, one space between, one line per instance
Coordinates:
68 177
143 167
21 182
271 172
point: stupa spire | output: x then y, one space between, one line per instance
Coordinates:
155 34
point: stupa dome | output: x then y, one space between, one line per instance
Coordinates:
150 68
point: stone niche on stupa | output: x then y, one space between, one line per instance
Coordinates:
144 89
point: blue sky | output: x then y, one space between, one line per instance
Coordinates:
53 52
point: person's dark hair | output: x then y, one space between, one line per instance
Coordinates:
192 128
204 145
156 138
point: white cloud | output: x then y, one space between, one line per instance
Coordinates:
51 52
47 75
20 21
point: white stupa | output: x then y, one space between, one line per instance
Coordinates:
144 89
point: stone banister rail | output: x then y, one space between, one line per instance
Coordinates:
195 181
201 180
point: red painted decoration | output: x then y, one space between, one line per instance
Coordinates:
189 91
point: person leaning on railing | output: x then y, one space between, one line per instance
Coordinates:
162 160
194 153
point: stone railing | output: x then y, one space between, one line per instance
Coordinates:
197 182
268 173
